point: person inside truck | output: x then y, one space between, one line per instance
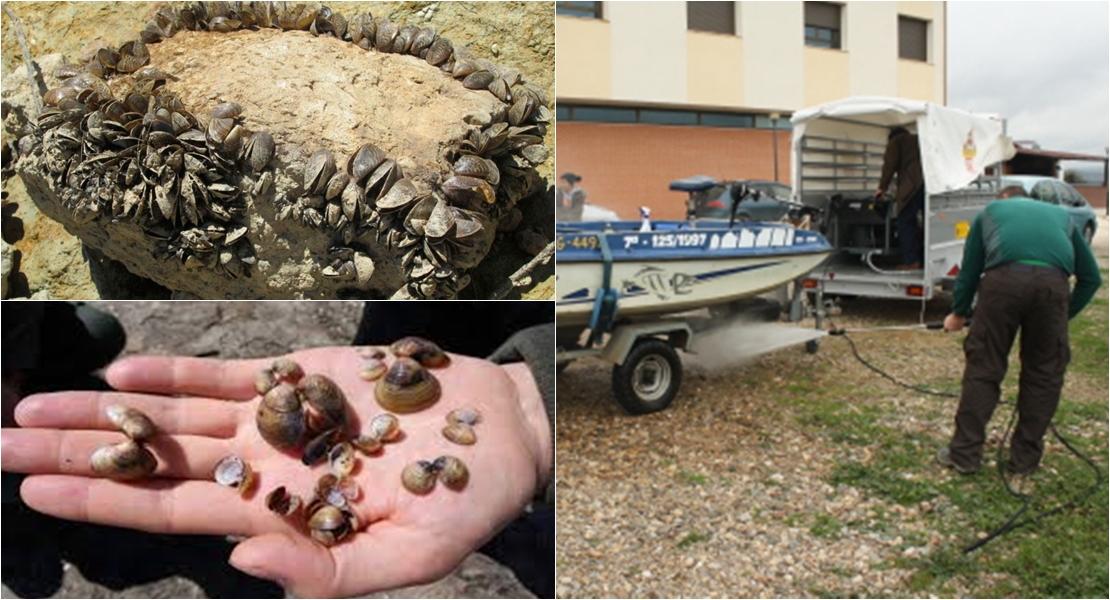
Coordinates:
903 157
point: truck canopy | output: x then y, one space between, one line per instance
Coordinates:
956 146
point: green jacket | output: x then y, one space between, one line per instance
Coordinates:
1031 232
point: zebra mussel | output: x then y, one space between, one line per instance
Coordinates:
192 182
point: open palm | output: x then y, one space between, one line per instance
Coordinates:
405 539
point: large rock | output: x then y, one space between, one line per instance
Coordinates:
309 93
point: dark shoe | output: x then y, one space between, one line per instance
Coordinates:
944 457
1011 468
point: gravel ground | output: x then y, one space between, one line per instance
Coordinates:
728 493
227 330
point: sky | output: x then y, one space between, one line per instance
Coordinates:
1043 66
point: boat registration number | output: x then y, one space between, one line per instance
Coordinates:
581 242
678 240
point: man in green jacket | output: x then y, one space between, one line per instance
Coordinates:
1018 255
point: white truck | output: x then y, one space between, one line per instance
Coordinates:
837 156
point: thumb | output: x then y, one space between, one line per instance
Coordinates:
296 563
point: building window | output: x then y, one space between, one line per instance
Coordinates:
913 39
668 117
603 114
823 25
717 17
589 10
661 116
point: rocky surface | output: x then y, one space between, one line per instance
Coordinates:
324 101
227 330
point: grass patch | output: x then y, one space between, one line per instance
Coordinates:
692 538
1089 341
825 526
690 478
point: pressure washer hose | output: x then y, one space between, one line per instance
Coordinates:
1011 523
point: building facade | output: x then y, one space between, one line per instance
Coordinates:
650 92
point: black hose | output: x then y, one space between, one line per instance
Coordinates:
1011 523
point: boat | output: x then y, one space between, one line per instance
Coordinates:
631 270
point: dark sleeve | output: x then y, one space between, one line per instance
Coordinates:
1087 276
890 163
536 346
971 269
578 198
22 334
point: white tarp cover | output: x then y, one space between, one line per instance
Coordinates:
956 146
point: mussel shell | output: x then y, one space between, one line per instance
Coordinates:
287 370
439 51
424 351
126 460
234 472
282 502
469 191
327 405
259 150
341 459
265 381
466 416
328 524
367 444
460 433
318 171
478 80
280 418
131 421
452 472
402 194
385 427
336 185
364 161
316 449
407 387
227 110
419 477
372 369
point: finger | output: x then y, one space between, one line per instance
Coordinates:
154 505
87 410
213 378
54 451
366 563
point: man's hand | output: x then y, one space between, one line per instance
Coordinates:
406 539
954 322
878 193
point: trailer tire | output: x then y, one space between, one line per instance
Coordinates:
649 379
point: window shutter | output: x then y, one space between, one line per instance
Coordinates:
913 39
823 14
717 17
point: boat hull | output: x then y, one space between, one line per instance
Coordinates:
654 275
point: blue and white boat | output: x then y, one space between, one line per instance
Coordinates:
633 270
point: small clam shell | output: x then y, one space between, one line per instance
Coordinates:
318 171
234 472
407 387
227 110
419 477
372 369
385 427
364 161
259 150
327 405
452 472
367 444
326 482
287 370
439 51
282 502
328 524
341 459
426 352
371 352
466 416
131 421
265 381
127 460
349 488
317 448
460 434
478 80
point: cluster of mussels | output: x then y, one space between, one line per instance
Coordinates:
144 156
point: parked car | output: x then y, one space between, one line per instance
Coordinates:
593 212
1054 191
713 198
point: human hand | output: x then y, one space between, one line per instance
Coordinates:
409 539
954 322
878 193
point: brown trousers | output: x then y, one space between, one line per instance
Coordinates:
1013 298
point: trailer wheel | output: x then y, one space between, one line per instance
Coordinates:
649 379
